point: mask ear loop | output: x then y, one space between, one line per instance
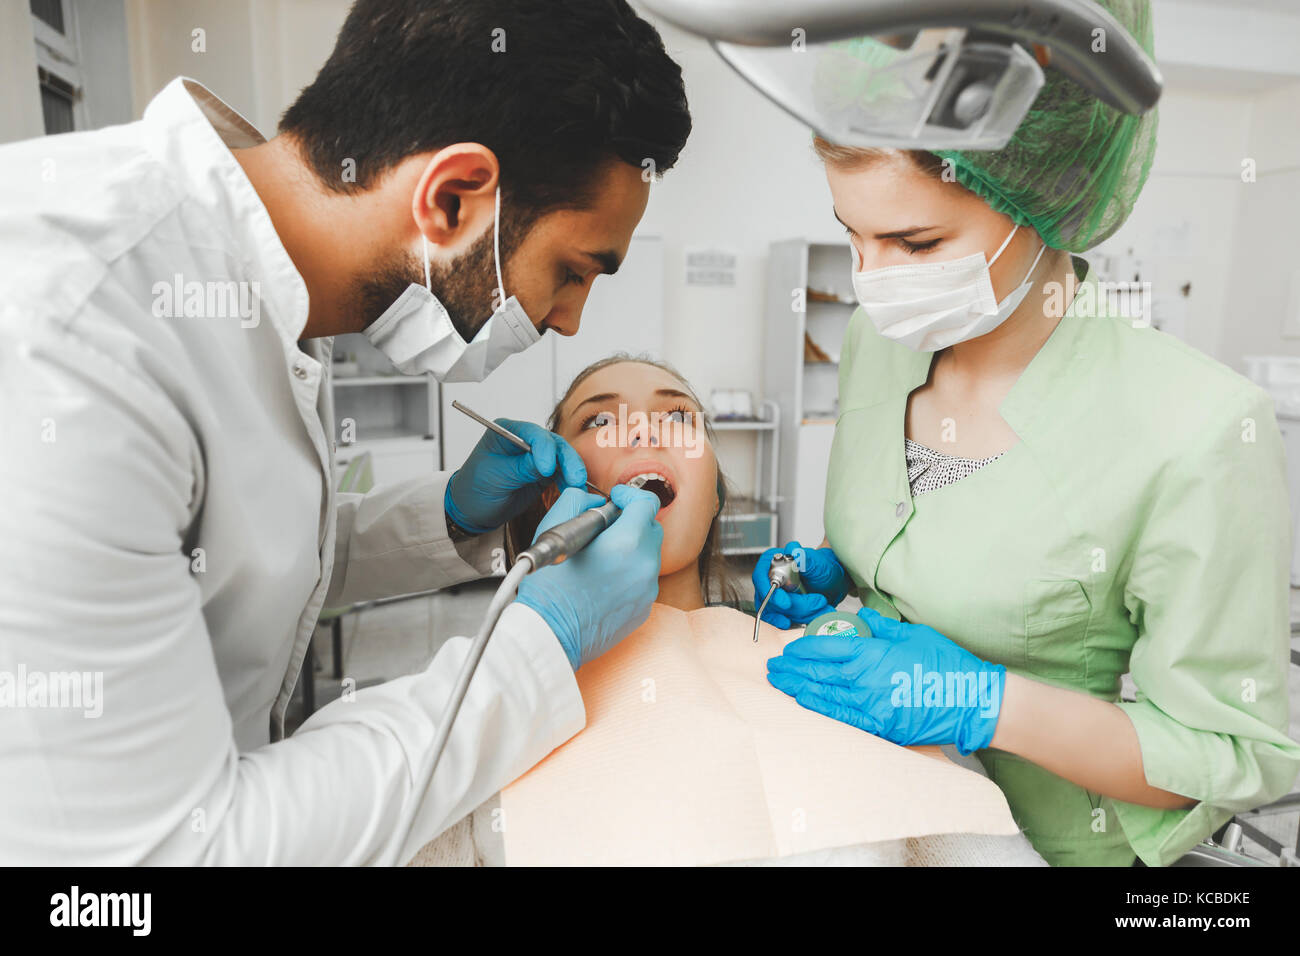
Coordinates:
427 284
496 249
1035 265
1005 242
1041 250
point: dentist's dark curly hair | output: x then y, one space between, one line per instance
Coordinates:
555 88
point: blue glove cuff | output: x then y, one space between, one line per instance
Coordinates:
456 515
977 730
561 632
837 584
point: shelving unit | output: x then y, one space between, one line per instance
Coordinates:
749 524
393 416
801 371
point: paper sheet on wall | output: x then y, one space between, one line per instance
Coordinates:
690 757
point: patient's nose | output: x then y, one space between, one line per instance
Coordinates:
643 434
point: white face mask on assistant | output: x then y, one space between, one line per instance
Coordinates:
418 336
932 305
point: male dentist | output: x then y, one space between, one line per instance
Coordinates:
451 184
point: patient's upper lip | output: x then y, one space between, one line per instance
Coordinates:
643 465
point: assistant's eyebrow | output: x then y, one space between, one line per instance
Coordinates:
896 234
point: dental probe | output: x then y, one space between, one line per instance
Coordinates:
508 436
782 573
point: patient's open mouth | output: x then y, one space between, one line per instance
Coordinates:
657 484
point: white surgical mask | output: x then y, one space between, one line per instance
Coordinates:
932 305
417 334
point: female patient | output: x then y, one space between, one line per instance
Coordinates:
633 417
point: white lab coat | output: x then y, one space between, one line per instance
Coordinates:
170 523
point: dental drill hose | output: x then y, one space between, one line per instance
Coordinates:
565 539
782 573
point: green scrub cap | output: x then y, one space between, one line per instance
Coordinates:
1075 166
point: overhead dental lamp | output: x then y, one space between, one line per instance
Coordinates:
919 74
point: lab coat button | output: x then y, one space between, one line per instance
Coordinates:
300 371
898 512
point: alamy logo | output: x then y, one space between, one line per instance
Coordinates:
54 690
103 909
229 299
965 689
675 429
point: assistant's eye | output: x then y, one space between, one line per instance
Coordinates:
912 248
572 277
599 420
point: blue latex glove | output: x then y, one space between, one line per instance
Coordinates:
499 480
821 575
872 683
597 597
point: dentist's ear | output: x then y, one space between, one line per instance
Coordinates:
455 196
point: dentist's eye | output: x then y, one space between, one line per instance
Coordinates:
599 420
573 278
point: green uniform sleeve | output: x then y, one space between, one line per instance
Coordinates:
1209 592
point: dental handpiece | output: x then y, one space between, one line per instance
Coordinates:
781 573
570 537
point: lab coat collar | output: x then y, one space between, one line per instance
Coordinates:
1058 360
191 131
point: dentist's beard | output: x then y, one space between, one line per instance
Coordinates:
466 286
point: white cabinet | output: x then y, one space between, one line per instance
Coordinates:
810 480
393 460
379 410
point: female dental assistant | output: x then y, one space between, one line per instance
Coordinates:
1033 496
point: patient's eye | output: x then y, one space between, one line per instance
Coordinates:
599 420
680 414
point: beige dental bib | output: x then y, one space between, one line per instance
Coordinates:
690 757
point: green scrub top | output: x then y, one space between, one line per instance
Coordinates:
1140 524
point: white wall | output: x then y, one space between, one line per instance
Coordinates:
1185 220
104 58
259 53
20 98
1265 252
